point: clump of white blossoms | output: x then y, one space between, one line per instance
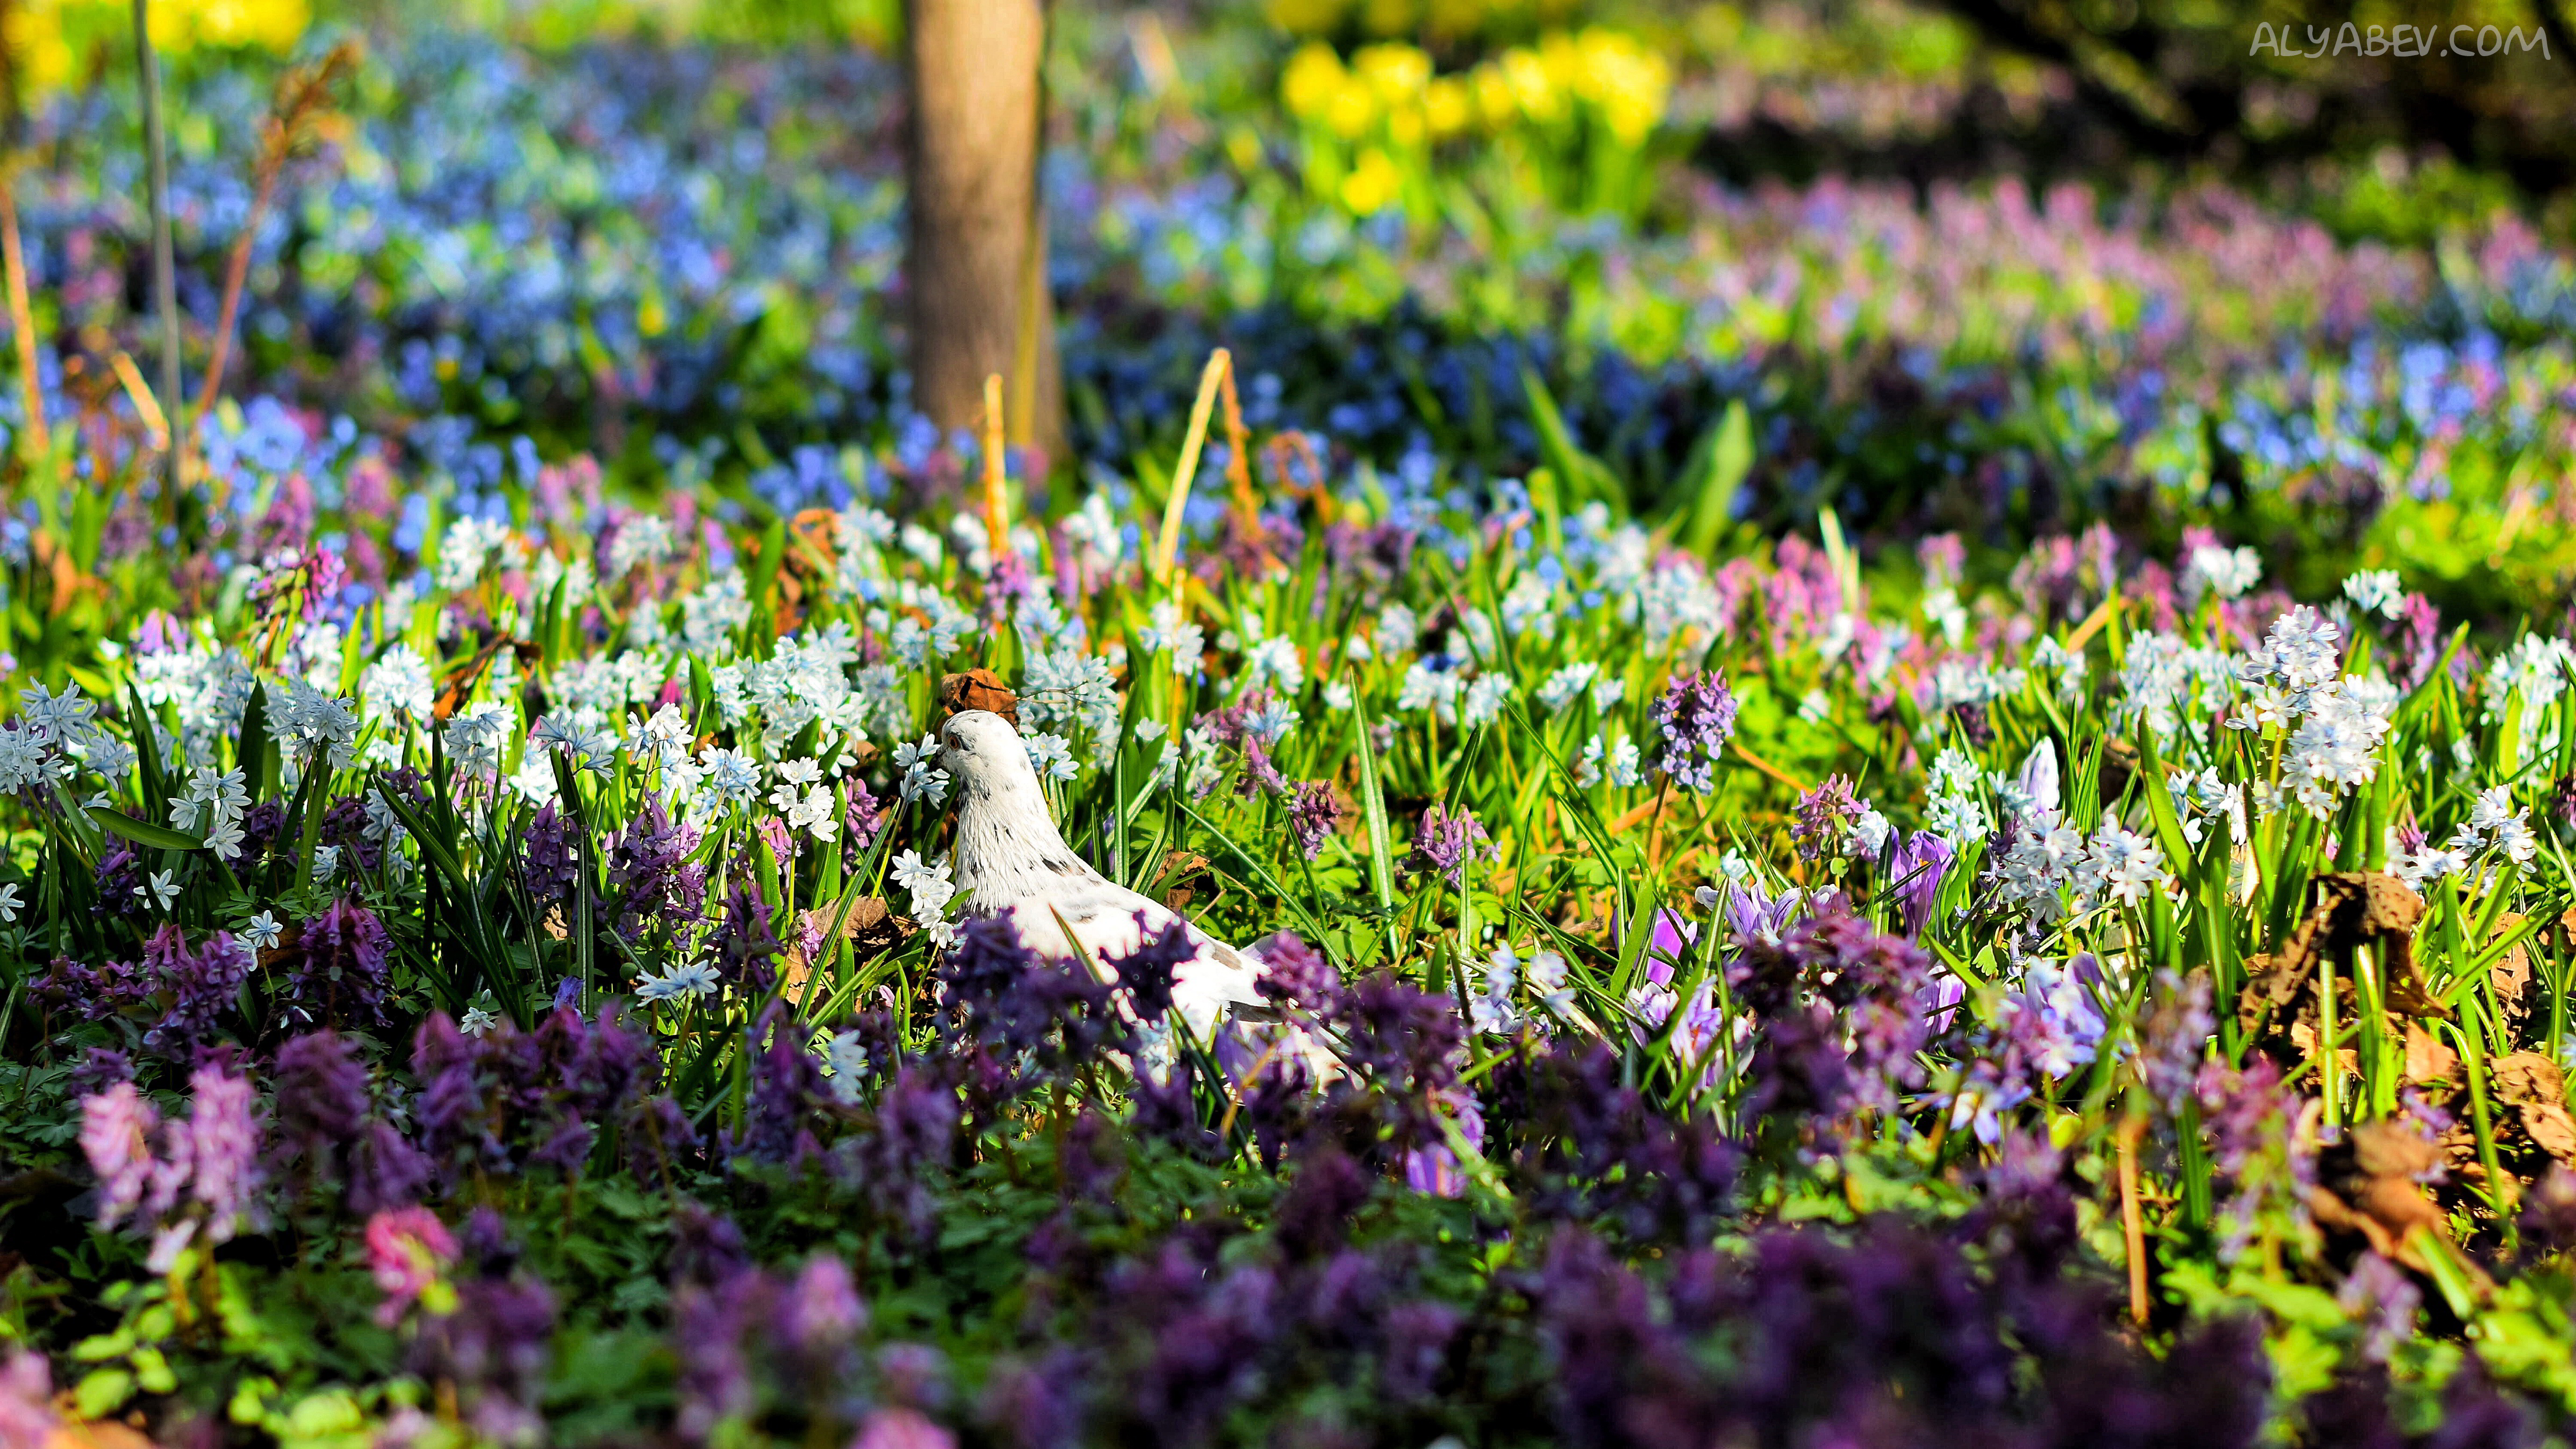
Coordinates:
2226 572
2376 591
215 802
2495 829
311 722
2056 871
2296 681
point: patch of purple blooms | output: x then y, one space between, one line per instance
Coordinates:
1696 713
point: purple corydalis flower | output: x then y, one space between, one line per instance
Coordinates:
548 856
202 983
1312 814
1443 843
1697 716
1823 816
321 1092
341 974
1298 974
650 870
1147 971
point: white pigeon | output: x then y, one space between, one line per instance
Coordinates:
1012 862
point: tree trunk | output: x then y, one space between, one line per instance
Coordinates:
973 207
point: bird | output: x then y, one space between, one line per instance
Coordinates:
1012 863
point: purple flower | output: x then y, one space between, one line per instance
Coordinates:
2174 1038
495 1348
340 974
1147 971
863 817
745 939
100 1069
321 1094
1824 815
1433 1168
1915 875
1298 975
386 1171
1697 715
201 983
650 870
1312 814
2382 1300
549 857
1443 843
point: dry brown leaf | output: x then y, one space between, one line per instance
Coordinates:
2551 1129
2527 1077
2427 1059
979 689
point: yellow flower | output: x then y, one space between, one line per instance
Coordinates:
1352 109
1532 86
1311 80
1627 82
1396 72
1494 97
1446 106
1372 184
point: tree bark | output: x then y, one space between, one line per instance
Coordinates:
973 209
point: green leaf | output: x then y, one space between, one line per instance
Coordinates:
159 837
1723 459
102 1392
1585 477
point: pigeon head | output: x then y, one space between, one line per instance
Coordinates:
983 754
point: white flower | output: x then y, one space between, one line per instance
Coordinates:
1485 699
262 931
2226 572
1869 833
818 814
1546 975
164 891
1051 755
2127 864
1168 630
2376 591
691 979
1567 682
477 1021
9 902
920 775
326 862
845 1066
733 775
928 885
397 687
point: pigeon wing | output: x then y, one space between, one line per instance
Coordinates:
1106 919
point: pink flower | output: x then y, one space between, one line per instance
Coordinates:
223 1147
902 1429
116 1135
27 1400
408 1248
